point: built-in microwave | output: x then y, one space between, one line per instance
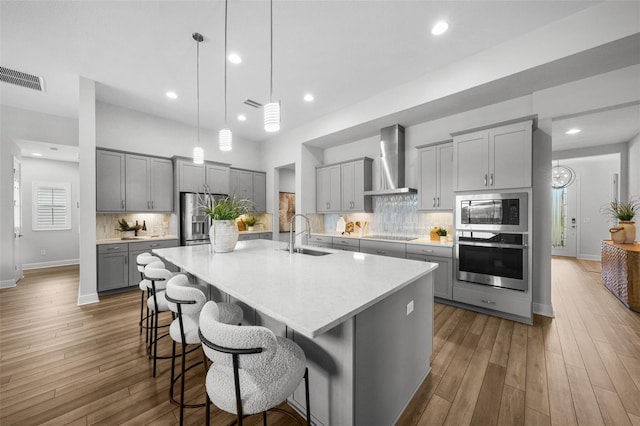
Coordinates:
492 212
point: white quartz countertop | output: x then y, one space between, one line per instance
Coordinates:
136 239
419 241
310 294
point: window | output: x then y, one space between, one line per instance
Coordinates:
51 206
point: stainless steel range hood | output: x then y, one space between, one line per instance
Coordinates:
391 163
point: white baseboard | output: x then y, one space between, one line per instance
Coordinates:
7 283
544 310
589 257
87 299
40 265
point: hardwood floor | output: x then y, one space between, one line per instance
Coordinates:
63 364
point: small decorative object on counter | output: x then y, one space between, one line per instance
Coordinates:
127 230
224 231
250 221
617 234
341 226
624 213
433 235
442 233
144 225
242 226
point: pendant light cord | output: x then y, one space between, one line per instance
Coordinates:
198 87
225 63
271 50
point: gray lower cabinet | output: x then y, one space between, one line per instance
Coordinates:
247 237
383 248
266 235
117 267
324 241
346 244
443 276
113 266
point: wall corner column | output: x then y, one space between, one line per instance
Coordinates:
87 288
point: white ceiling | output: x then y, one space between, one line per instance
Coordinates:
343 52
610 126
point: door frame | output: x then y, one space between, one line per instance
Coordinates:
17 215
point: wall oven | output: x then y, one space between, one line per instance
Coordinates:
492 212
495 259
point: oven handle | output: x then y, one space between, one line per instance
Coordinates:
497 245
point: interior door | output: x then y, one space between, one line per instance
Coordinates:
565 208
17 219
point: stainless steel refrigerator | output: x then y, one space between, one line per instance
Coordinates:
194 222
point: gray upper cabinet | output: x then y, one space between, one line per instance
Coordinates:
328 189
149 184
217 179
110 181
435 168
356 178
493 158
208 177
191 177
249 185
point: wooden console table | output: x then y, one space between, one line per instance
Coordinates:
621 272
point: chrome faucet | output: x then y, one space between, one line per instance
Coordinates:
292 236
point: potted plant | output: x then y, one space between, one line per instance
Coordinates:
443 234
624 212
250 221
224 212
128 231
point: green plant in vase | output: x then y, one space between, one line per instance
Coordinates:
624 212
442 233
224 212
127 230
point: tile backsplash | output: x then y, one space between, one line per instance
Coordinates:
393 215
157 224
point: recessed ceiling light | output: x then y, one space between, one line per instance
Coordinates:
37 154
242 117
234 58
308 97
439 28
53 148
572 131
172 95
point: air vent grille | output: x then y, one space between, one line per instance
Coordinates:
22 79
253 103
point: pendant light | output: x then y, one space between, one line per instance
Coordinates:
272 109
225 137
562 176
198 152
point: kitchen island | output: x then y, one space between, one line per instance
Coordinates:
364 321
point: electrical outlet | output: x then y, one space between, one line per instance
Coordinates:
409 307
43 252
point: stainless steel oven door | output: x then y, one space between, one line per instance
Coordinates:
506 212
494 264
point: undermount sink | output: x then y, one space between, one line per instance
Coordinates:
310 252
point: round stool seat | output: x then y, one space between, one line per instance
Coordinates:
262 388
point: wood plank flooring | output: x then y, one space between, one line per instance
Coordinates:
63 364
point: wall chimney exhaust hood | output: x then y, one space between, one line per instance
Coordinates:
391 163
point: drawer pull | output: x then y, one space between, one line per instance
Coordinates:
154 245
489 302
428 250
113 248
380 252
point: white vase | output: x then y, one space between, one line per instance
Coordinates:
443 239
223 235
127 235
629 230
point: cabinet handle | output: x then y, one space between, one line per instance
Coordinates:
148 204
434 201
328 206
154 245
428 250
490 302
491 180
485 179
380 252
438 199
152 205
122 203
113 248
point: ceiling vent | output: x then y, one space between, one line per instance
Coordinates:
18 78
253 103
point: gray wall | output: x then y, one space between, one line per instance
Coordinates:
62 247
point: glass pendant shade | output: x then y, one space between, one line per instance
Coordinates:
225 140
562 176
272 117
198 155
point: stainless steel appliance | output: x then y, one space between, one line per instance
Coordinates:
194 222
492 212
495 259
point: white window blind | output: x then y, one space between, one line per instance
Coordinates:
51 206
